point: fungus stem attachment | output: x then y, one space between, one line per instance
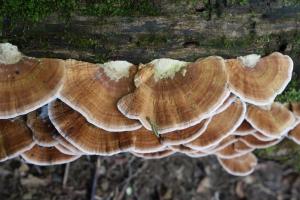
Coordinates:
153 127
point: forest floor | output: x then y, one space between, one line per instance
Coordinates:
127 177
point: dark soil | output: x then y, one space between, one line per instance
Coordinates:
127 177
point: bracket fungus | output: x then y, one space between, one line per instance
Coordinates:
273 120
217 130
244 129
26 83
239 166
15 138
94 89
42 129
294 134
40 155
93 140
295 106
175 95
253 142
258 80
155 155
231 151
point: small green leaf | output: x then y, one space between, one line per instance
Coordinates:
153 127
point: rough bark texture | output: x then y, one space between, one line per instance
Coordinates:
180 32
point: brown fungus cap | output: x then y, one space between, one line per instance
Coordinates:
294 134
63 149
274 120
15 138
182 149
261 136
295 106
94 89
39 155
259 80
42 129
230 151
241 146
244 129
239 166
221 126
174 95
253 142
93 140
64 144
155 155
26 83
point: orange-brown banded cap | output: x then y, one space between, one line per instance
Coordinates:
294 134
182 149
241 146
259 80
261 136
244 129
221 126
296 108
239 166
42 129
273 121
39 155
178 100
221 145
63 145
28 84
253 142
94 89
93 140
15 138
230 151
185 135
155 155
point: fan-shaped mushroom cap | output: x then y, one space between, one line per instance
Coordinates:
273 121
226 104
241 146
253 142
185 135
261 136
15 138
155 155
176 98
221 126
26 83
259 80
296 108
244 129
239 166
182 149
94 89
42 129
64 145
39 155
294 134
221 145
197 154
63 149
93 140
230 151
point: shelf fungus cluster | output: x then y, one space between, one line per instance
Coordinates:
54 111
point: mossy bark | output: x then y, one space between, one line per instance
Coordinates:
186 35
